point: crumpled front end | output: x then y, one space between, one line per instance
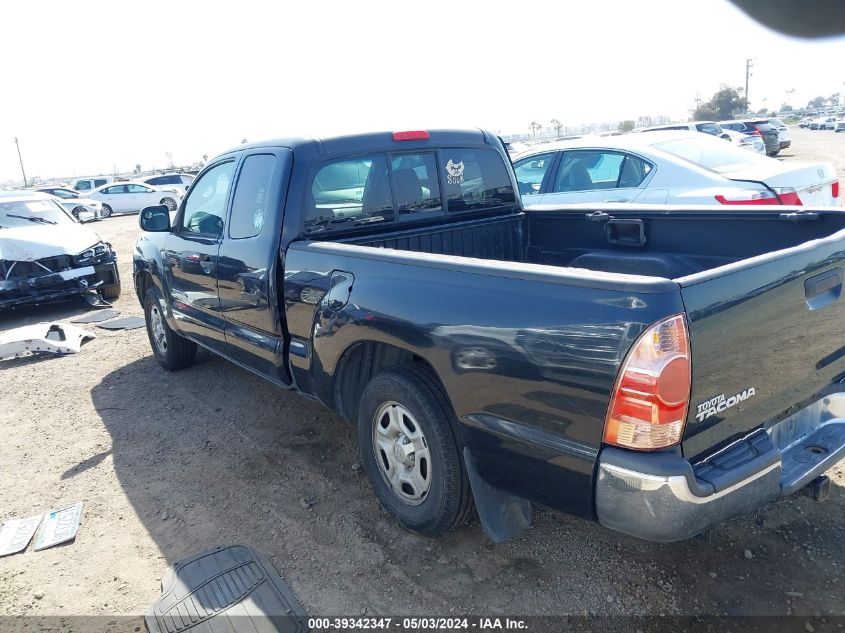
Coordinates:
55 278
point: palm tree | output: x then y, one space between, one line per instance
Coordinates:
556 125
534 126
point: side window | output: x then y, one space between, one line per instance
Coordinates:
588 171
133 188
475 179
154 181
634 171
99 182
708 128
205 208
250 202
349 192
83 185
186 180
115 189
416 183
531 171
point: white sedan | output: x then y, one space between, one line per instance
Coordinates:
669 167
127 197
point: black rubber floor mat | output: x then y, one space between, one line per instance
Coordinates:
96 317
126 323
225 590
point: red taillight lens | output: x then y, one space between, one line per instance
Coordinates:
749 197
788 195
834 189
413 135
648 406
756 131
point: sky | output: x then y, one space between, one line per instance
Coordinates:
89 87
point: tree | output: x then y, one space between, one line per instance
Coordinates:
818 102
834 99
724 105
534 126
785 107
556 125
762 111
627 125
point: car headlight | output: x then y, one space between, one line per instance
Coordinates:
100 249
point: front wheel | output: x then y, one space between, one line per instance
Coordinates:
106 211
171 350
170 203
412 453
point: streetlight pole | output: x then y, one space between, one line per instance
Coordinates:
18 145
749 64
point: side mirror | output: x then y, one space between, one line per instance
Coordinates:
155 219
727 137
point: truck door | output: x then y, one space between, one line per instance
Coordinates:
247 264
191 256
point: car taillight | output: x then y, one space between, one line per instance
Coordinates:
749 196
788 195
413 135
756 131
834 189
648 406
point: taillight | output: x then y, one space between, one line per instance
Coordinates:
749 196
788 195
756 131
413 135
648 406
834 189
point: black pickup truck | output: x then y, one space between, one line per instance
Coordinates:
656 369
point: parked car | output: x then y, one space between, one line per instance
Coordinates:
128 197
46 255
805 122
88 184
668 167
745 141
606 361
823 123
783 132
707 127
757 127
74 202
170 182
840 126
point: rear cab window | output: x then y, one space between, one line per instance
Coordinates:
391 187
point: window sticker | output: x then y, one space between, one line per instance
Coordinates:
455 172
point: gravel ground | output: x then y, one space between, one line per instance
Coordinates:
167 466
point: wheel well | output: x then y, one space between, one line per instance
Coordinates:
142 282
360 363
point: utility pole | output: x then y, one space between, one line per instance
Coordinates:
18 145
749 64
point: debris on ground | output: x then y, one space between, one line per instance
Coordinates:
59 526
43 338
96 317
235 583
126 323
17 533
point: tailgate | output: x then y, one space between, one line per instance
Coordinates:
766 336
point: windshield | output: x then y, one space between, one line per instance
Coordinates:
718 157
31 213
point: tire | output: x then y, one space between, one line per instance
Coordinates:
172 351
170 203
75 213
406 408
110 292
106 211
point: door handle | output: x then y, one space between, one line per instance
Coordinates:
617 200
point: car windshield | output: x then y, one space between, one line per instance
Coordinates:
721 158
18 213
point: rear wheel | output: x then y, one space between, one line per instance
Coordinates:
171 350
412 453
106 211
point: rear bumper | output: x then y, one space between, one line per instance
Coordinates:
785 144
663 497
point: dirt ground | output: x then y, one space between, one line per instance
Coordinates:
167 466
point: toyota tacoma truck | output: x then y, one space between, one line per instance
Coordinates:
656 369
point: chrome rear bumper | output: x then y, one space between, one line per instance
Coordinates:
662 497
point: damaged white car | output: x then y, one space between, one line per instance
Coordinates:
46 255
